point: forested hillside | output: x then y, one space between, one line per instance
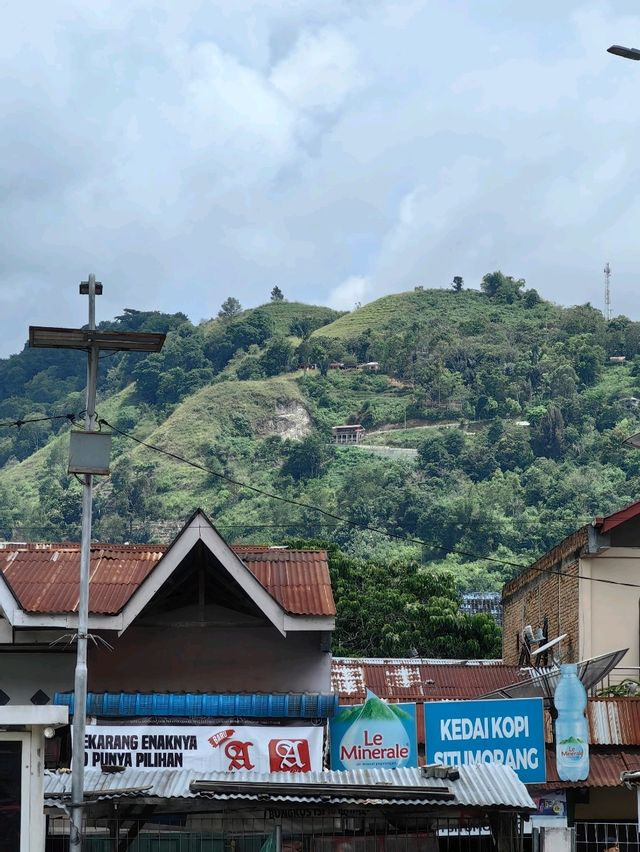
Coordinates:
509 409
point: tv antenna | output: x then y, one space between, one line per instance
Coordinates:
607 291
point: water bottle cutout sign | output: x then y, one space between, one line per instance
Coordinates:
572 727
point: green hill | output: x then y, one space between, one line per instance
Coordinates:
532 409
284 315
470 311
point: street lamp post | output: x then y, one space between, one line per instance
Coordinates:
91 341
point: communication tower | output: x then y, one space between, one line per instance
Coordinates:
607 291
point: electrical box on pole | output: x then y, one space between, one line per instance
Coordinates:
90 452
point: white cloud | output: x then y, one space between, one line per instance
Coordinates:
347 295
319 73
188 151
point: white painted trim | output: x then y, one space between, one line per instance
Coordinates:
309 622
66 620
26 715
8 603
200 529
244 578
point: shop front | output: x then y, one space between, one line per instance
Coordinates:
402 810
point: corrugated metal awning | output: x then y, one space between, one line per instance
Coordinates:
480 786
303 705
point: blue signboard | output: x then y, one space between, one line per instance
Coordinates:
509 731
374 734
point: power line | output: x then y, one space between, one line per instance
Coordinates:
9 423
357 524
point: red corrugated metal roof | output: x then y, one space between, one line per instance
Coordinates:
44 578
298 579
416 679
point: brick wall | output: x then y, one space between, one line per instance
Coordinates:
548 588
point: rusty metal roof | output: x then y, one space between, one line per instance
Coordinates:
614 721
44 577
298 579
605 767
418 679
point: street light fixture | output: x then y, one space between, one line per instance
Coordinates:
625 52
83 458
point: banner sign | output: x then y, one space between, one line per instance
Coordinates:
509 731
206 748
374 734
552 805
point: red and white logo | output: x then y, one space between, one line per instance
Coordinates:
289 756
215 739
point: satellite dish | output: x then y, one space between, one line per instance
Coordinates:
548 645
541 682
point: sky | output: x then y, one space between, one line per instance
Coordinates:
185 151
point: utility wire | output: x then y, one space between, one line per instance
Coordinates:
357 524
9 423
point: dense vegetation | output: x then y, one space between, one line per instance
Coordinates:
508 409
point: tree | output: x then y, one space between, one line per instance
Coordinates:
278 357
547 437
230 308
457 283
502 288
134 498
277 295
307 458
392 609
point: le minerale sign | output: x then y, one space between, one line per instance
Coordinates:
374 734
223 748
509 731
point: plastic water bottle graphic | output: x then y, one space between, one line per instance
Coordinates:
572 729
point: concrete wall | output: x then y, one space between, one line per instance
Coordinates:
210 659
609 614
22 673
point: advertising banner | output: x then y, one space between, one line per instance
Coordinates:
374 734
509 731
205 747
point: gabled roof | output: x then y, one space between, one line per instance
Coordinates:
42 579
610 522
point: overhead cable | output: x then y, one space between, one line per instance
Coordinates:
357 524
9 423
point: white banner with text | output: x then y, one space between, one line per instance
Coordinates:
211 748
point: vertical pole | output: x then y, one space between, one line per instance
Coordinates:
80 681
